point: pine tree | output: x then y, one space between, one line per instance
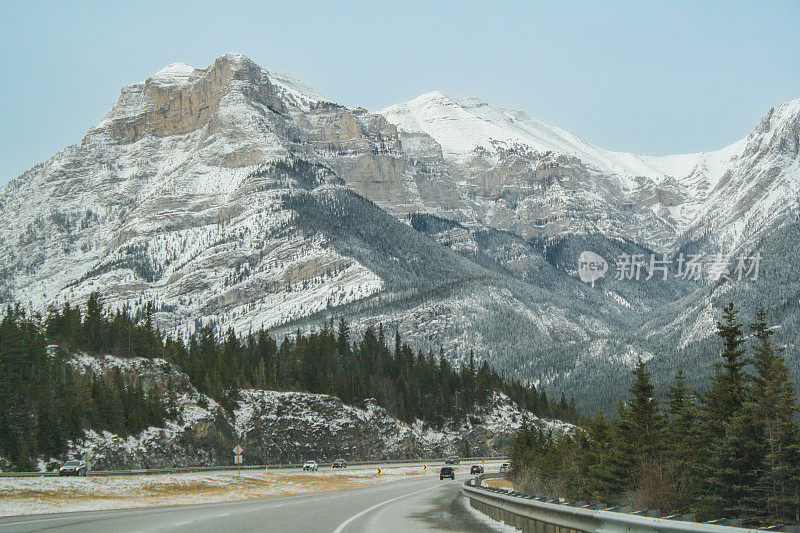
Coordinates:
93 322
642 423
722 431
681 442
607 467
772 408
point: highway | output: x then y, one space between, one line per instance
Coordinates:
416 503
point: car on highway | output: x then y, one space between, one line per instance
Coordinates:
476 469
452 460
339 463
72 468
505 467
447 471
310 466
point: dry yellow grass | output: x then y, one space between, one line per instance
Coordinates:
498 483
35 495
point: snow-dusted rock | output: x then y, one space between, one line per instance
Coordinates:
281 427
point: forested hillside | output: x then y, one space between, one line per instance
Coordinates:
45 401
732 451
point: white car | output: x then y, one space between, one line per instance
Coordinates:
505 467
310 465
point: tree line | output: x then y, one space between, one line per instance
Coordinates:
731 451
46 401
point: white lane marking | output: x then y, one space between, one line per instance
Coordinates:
365 511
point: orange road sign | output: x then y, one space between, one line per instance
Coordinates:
379 471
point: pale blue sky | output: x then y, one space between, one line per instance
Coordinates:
645 77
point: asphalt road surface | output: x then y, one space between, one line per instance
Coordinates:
416 503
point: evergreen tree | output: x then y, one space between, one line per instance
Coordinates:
723 433
681 442
771 410
608 469
644 421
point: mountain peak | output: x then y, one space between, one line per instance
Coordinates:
463 126
235 57
778 131
181 98
440 98
785 112
184 74
433 95
174 74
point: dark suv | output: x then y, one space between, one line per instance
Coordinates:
476 469
447 471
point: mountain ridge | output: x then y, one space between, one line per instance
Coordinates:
231 196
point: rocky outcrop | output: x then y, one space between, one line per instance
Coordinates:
280 427
199 431
180 99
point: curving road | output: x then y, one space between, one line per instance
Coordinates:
419 503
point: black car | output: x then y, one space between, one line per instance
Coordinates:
476 469
452 460
72 468
447 471
339 463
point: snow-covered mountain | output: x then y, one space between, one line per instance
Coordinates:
740 190
240 197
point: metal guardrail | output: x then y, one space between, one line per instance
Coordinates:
528 513
186 469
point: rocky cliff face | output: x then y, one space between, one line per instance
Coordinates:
181 99
281 427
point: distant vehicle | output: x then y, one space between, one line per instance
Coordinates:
476 469
339 463
447 471
310 466
72 468
452 460
505 467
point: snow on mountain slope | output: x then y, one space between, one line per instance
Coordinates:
462 126
759 190
517 174
177 195
175 74
226 195
674 196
